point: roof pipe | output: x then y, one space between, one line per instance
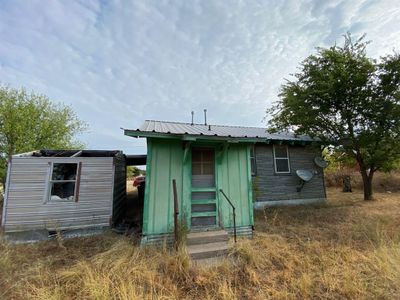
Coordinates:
192 117
205 117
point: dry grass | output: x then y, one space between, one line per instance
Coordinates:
345 249
382 182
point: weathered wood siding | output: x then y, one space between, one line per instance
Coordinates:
270 186
27 209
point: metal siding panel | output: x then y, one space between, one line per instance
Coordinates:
166 164
250 186
162 192
244 191
147 190
186 196
233 178
27 210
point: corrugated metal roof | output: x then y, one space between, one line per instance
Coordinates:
177 128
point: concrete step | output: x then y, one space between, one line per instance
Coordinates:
208 250
197 238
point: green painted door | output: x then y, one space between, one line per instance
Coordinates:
203 193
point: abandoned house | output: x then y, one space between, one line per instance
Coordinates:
217 165
217 170
51 190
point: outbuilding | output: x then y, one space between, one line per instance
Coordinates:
50 190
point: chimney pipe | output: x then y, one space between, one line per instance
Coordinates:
192 117
205 117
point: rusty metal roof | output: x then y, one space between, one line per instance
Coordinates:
225 131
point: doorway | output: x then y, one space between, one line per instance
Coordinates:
203 197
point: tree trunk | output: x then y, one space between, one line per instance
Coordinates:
367 183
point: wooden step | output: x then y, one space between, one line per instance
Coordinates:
208 250
205 237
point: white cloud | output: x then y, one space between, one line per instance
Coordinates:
118 63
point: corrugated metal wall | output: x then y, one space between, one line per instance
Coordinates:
273 187
27 209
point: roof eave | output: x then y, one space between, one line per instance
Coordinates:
192 137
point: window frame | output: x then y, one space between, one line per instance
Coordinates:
76 181
287 158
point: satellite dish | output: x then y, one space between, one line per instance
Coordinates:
320 162
305 176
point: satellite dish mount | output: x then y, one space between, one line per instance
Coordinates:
305 176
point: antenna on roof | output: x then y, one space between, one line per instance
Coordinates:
192 117
205 117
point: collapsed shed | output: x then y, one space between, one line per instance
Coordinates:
51 190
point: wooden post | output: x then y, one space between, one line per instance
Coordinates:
176 213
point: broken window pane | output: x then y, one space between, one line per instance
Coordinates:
64 171
63 181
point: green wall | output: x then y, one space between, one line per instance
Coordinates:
166 160
234 177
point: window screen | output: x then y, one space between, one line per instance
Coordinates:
203 162
281 159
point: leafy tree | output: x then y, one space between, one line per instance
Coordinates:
31 122
338 161
344 97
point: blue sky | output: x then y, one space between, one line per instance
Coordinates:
118 63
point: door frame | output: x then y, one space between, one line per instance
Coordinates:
213 147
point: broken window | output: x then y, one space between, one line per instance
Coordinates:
63 182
